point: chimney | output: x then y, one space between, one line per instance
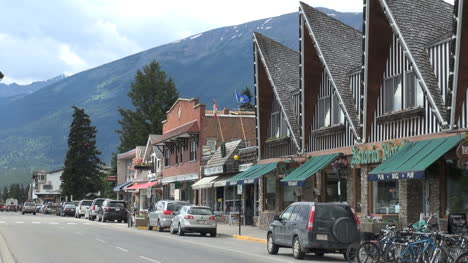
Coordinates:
226 111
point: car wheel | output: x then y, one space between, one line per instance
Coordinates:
180 232
213 234
271 247
104 218
149 226
297 250
34 213
160 229
202 234
22 213
172 230
319 254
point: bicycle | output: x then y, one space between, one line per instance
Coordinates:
462 258
417 250
372 251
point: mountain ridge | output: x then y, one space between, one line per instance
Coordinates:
34 128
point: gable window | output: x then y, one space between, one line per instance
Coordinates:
414 96
212 144
392 94
278 126
324 118
166 157
337 113
193 151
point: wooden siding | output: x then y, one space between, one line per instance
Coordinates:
440 59
413 126
355 86
329 140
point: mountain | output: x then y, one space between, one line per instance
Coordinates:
34 128
15 91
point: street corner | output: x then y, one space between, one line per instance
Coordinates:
252 239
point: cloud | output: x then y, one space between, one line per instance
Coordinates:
71 58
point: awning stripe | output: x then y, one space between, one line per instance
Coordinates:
252 174
119 188
309 168
141 185
411 161
205 182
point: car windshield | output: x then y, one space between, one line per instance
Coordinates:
117 204
99 202
70 206
86 202
175 206
200 211
29 204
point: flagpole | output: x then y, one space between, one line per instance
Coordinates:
215 115
219 123
242 124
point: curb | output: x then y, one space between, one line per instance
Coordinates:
5 254
253 239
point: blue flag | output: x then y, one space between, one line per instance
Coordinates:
241 99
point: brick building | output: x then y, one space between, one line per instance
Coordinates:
189 132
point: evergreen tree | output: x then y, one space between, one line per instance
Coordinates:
249 106
82 169
152 94
5 193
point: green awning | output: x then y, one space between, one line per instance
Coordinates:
252 174
411 161
309 168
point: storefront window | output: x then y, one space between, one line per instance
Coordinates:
270 193
332 187
386 197
232 199
289 195
457 190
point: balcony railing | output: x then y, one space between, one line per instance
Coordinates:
278 147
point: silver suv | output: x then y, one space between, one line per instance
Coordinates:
29 208
162 213
81 208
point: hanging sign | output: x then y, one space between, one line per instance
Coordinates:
375 155
239 189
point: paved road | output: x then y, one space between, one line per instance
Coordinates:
49 239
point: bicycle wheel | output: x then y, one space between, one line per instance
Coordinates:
368 252
393 253
351 252
462 258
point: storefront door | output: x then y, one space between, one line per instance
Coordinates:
249 203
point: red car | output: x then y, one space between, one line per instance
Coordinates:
13 208
2 208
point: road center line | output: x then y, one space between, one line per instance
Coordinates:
149 259
53 223
71 223
87 223
19 222
123 249
2 222
100 240
36 222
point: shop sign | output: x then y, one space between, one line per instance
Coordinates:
239 189
396 176
214 170
375 155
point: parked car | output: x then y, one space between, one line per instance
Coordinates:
69 210
11 208
81 208
62 207
94 208
162 213
50 209
38 208
112 210
29 208
2 208
314 227
194 219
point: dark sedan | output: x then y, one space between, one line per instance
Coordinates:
112 210
69 210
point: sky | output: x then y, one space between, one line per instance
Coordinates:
43 39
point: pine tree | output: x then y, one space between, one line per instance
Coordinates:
249 106
82 169
152 94
5 193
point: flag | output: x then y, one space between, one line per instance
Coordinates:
215 109
241 99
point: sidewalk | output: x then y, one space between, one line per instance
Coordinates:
250 233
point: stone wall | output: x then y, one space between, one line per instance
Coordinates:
410 193
364 193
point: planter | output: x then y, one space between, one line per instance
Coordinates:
141 221
372 227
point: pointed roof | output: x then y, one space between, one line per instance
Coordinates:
419 24
340 48
282 66
217 159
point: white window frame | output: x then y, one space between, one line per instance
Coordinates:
212 144
390 89
193 151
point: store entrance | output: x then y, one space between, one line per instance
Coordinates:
249 203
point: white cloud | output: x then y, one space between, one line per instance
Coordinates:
71 58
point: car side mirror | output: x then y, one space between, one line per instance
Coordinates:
277 218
